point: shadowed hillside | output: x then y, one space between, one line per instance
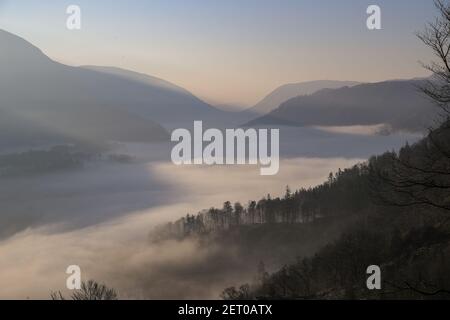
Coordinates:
398 104
391 211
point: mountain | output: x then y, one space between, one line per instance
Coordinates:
399 104
288 91
133 76
43 100
153 98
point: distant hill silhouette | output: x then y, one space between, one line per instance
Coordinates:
399 104
43 100
153 98
292 90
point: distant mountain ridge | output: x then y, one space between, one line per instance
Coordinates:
288 91
138 77
154 98
43 100
399 104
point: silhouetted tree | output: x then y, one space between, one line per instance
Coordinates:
422 177
90 290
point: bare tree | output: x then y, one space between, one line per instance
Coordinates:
437 37
90 290
422 177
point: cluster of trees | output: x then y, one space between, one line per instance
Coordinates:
90 290
34 161
413 265
417 175
345 192
56 158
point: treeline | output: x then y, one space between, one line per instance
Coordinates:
345 192
413 265
358 190
56 158
406 231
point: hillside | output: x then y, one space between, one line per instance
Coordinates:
398 104
292 90
391 211
43 101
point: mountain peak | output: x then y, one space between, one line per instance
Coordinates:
19 53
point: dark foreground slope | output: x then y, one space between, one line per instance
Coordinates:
406 233
327 236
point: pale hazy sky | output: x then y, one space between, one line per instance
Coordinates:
231 51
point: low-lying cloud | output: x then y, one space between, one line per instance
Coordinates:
118 253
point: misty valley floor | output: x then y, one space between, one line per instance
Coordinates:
100 218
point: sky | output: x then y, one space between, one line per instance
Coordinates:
235 51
